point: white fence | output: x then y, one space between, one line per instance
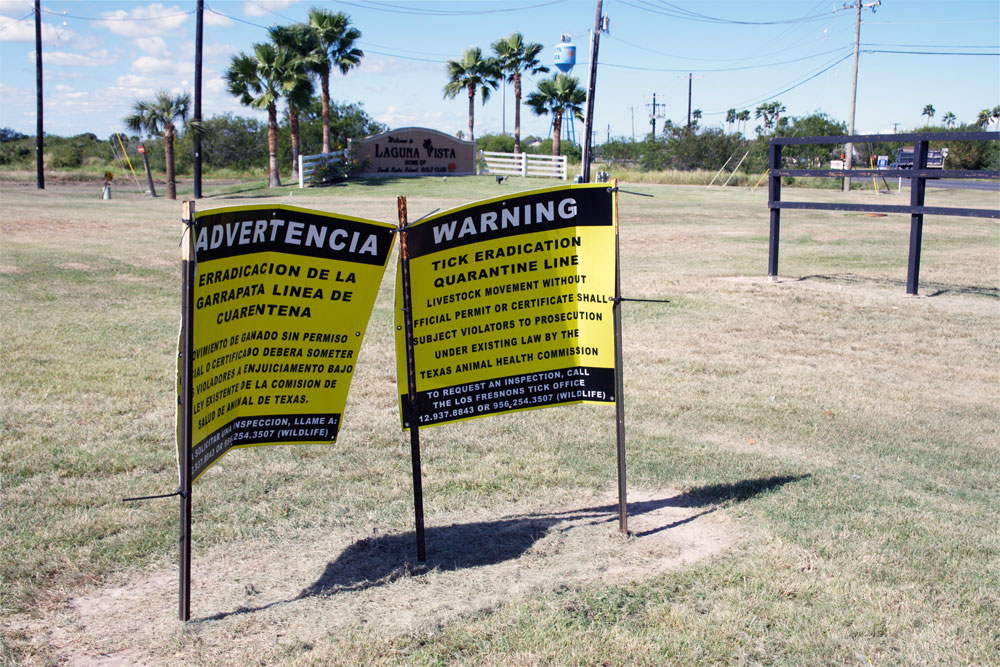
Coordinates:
524 164
308 164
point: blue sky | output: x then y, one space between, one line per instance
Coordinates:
99 57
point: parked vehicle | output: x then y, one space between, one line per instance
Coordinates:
904 158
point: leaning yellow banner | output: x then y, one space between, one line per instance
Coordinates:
512 305
281 299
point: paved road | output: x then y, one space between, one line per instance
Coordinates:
959 184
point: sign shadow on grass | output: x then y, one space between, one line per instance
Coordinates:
930 289
380 560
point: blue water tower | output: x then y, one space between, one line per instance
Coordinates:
564 60
565 55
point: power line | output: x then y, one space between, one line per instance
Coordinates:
725 69
938 46
14 23
271 11
773 94
931 53
403 9
256 25
668 9
124 19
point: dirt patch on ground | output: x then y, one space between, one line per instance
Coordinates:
246 597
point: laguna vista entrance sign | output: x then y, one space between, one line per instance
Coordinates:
415 151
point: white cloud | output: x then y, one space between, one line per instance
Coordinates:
374 65
11 30
137 85
213 20
149 66
146 21
12 95
394 116
152 45
63 75
264 7
16 8
65 92
101 58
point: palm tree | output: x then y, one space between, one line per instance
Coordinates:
469 73
769 113
259 81
514 57
949 119
984 118
297 40
995 115
334 46
555 96
929 112
742 116
158 115
730 118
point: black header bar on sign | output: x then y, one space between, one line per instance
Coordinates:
242 231
512 393
523 214
269 429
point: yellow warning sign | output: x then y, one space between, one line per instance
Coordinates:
512 305
281 300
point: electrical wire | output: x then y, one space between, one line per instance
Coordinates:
930 53
938 46
774 94
130 18
271 11
218 13
14 23
403 9
668 9
725 69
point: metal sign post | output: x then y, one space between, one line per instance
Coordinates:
188 263
411 384
619 379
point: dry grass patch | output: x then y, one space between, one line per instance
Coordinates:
843 434
250 598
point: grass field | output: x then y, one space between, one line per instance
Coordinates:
825 449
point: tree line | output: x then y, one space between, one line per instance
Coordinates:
687 147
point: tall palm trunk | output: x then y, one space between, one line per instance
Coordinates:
324 83
472 112
556 130
293 126
168 154
273 180
517 112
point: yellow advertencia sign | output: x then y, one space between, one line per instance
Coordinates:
512 303
281 298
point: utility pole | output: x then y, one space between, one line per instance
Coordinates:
195 138
39 129
689 100
653 115
858 5
632 109
600 23
690 77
